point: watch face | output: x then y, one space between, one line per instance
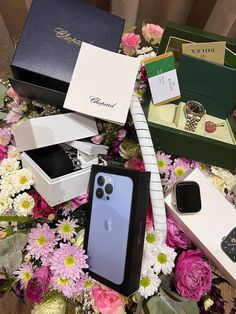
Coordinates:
196 107
188 198
228 245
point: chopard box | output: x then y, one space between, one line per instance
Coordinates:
213 228
54 167
50 42
176 34
213 86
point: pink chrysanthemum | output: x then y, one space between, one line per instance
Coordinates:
66 228
69 287
163 162
42 241
180 167
68 261
24 274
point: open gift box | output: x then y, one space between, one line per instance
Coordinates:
213 86
50 42
176 34
54 171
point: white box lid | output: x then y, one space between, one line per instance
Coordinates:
51 130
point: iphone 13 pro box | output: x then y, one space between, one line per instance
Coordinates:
114 236
50 42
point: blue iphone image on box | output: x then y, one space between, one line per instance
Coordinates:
109 225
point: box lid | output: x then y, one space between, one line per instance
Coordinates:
209 83
50 130
51 39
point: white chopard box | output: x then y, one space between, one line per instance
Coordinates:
208 227
46 131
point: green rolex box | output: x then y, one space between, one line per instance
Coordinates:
214 87
176 34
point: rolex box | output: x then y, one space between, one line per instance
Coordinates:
176 34
116 219
50 42
213 86
53 164
213 228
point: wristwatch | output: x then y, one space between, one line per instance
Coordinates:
194 111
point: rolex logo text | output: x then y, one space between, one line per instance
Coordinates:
66 36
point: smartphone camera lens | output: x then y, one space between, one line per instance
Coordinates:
99 193
101 180
108 188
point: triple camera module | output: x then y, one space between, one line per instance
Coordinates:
105 189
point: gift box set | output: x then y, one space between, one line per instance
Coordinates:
50 42
208 83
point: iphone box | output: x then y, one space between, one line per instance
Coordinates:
212 229
114 236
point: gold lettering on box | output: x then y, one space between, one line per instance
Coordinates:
65 35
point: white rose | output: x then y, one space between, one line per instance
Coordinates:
54 305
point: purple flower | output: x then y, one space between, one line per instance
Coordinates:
38 284
115 146
193 275
3 152
121 134
176 238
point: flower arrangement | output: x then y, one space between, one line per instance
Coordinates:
50 269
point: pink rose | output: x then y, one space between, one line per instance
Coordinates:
135 163
38 284
176 238
15 114
108 301
11 93
121 134
193 275
80 200
3 152
152 33
130 43
97 139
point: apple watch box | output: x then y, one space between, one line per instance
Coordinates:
114 235
50 42
212 226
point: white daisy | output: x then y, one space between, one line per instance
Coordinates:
148 259
22 180
7 185
153 238
24 274
149 284
13 152
66 228
5 203
164 259
8 165
23 204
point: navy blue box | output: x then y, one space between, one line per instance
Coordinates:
49 45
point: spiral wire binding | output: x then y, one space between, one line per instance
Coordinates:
150 163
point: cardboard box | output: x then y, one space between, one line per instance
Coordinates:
176 34
213 86
44 131
208 227
117 223
50 42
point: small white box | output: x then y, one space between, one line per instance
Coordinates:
50 130
47 131
210 225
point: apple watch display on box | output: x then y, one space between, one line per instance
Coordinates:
228 245
187 198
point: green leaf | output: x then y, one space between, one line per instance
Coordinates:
11 251
3 91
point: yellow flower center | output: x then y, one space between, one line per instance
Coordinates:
27 276
2 203
70 261
42 240
23 180
67 228
63 281
161 164
179 171
150 238
162 258
88 284
25 204
145 282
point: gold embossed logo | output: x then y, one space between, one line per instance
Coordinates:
66 36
